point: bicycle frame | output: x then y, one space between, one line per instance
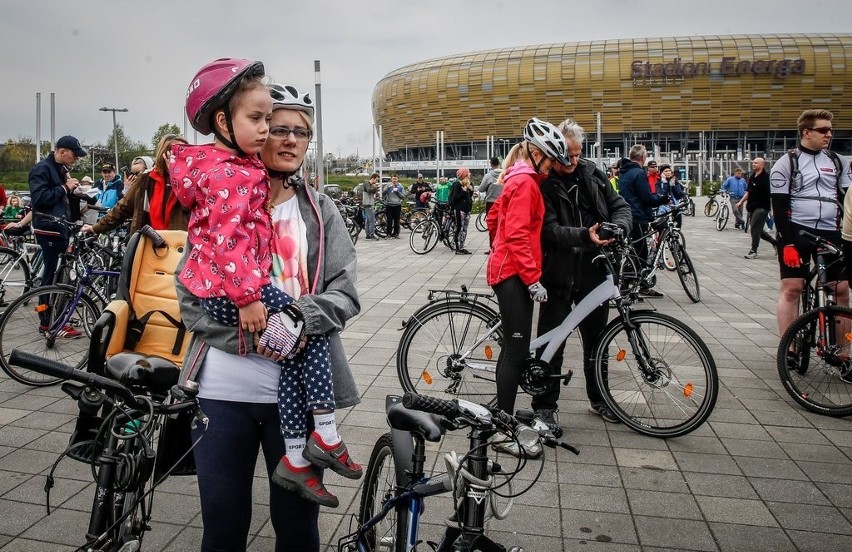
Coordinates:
83 283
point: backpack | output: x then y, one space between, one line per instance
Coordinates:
794 169
109 198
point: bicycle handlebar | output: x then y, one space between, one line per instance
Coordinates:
64 371
821 242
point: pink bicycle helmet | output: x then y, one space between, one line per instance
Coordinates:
462 172
212 87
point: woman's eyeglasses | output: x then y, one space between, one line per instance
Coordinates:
299 134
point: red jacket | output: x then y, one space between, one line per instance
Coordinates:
229 225
514 223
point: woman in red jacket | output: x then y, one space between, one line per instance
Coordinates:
514 265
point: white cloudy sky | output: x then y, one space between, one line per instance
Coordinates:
141 54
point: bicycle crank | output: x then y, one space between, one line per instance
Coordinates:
537 377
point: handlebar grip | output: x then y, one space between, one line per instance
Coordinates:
156 239
808 235
413 401
60 370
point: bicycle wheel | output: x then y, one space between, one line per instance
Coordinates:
424 237
379 485
805 338
15 276
630 275
711 208
668 258
722 219
352 229
690 208
381 225
436 358
686 272
821 386
28 326
480 222
658 377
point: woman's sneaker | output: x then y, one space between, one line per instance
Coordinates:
335 457
604 412
305 482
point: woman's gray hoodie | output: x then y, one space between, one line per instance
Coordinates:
326 312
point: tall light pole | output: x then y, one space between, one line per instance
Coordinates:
114 128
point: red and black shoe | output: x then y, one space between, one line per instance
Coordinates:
335 457
305 482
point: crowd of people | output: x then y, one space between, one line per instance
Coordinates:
268 279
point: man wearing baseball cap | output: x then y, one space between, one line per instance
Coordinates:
50 188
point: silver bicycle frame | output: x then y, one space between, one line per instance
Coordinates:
605 291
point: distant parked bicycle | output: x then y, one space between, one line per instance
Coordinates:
724 212
712 205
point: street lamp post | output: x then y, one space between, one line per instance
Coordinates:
114 128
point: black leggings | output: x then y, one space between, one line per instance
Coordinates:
516 312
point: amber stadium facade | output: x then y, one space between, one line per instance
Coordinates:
730 96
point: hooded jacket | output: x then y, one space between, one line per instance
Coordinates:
229 225
331 265
514 224
633 187
572 203
490 186
136 206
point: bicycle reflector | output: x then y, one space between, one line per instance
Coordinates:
488 352
427 378
621 354
687 390
41 308
848 337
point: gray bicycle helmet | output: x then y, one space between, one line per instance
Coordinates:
288 97
547 138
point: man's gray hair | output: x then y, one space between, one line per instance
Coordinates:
637 152
572 131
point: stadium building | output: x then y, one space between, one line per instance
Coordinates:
688 99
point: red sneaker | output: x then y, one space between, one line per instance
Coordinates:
305 482
335 457
68 332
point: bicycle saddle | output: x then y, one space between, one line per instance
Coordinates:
135 370
424 424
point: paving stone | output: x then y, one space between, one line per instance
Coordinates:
748 538
735 510
809 517
712 484
679 534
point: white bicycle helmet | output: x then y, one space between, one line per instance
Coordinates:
547 138
288 97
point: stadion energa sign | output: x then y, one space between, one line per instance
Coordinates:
645 72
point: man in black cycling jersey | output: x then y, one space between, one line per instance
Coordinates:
807 188
577 198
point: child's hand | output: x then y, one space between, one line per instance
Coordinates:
253 317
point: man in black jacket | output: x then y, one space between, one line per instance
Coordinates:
758 205
49 191
577 198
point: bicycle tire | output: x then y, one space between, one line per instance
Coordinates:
352 229
19 328
424 236
428 357
669 262
722 219
690 209
15 276
630 275
711 208
805 337
673 399
819 388
381 225
416 217
686 272
480 222
380 483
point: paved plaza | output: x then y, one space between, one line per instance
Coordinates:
762 475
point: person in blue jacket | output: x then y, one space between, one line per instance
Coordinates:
736 187
634 188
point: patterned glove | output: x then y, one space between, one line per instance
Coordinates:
283 333
538 293
791 256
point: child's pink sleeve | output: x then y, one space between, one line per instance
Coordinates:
179 175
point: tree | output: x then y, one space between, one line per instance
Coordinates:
127 148
167 128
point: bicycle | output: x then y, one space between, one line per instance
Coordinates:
438 226
654 372
813 358
480 221
712 205
724 212
20 265
123 432
44 321
637 273
396 484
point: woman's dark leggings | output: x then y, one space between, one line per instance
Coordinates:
225 459
516 312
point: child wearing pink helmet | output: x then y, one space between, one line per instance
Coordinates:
226 188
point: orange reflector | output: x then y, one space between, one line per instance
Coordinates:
621 354
427 378
41 308
687 390
848 337
488 352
